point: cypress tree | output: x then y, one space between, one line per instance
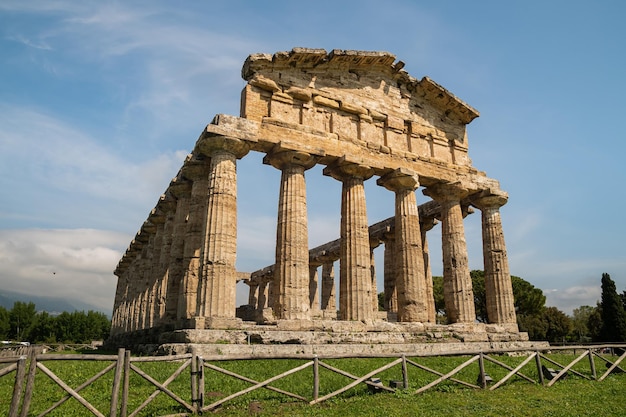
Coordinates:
613 314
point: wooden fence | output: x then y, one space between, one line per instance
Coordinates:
196 368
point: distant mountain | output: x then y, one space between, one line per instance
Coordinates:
49 304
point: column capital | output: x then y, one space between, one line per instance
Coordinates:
180 187
443 192
279 159
208 145
399 179
488 199
343 170
195 168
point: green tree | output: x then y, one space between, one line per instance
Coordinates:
594 323
613 315
559 325
528 299
580 324
43 329
22 318
5 325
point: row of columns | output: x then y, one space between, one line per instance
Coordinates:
191 279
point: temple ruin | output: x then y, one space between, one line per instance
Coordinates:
361 116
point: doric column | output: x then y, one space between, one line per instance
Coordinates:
329 303
180 189
498 287
389 257
314 289
373 245
291 271
355 280
410 281
457 283
219 275
195 170
167 206
426 225
253 293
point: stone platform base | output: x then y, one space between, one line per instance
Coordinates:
222 351
288 339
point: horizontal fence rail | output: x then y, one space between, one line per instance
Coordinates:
120 373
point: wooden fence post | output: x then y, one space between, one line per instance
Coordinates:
200 383
592 364
194 380
539 369
17 386
30 383
405 373
115 394
316 378
481 367
124 406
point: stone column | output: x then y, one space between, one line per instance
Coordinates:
180 189
219 275
167 205
410 282
425 226
291 277
314 289
498 287
457 283
329 303
391 295
373 245
195 170
253 293
355 281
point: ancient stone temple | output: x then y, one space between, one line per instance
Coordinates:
362 117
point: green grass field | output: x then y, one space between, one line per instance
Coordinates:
574 396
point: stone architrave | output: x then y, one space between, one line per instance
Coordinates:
291 273
219 275
498 287
355 280
457 283
410 282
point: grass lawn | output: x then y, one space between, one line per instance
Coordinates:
573 396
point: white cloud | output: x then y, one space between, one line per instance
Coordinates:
74 264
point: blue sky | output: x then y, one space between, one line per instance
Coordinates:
101 101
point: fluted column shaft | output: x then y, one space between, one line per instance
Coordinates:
220 247
291 273
355 280
329 303
181 190
457 283
391 295
410 280
498 287
428 276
